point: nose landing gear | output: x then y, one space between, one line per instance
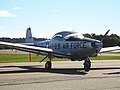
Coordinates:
87 64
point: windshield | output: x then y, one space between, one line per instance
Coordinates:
58 37
75 35
67 35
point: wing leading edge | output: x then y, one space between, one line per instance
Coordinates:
107 49
33 49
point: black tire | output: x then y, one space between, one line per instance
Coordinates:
48 65
87 68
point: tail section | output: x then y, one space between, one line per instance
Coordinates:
29 38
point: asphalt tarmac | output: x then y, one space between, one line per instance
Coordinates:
65 75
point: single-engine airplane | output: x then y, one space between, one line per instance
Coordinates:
65 44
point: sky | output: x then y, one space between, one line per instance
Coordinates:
47 17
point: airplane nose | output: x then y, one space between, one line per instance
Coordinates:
97 44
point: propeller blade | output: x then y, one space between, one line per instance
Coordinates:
105 35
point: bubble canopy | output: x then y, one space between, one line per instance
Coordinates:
67 35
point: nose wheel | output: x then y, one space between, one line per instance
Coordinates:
48 65
87 64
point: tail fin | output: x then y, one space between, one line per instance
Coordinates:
29 38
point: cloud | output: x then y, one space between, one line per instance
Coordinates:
17 8
5 13
0 27
55 11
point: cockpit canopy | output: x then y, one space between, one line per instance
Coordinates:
68 36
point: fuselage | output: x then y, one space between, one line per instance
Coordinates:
72 43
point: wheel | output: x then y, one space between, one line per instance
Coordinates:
87 65
48 65
87 68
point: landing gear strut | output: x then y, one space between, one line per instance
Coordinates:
87 64
48 64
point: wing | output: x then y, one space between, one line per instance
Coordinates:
34 49
107 49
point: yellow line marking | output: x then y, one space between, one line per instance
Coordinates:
18 74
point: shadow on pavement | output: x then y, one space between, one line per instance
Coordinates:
112 73
72 71
28 69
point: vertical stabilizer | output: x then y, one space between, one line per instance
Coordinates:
29 38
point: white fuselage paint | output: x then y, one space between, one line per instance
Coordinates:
78 49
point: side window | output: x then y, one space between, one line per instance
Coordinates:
59 38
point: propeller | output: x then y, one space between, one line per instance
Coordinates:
96 45
105 35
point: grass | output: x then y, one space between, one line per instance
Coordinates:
113 52
105 58
8 58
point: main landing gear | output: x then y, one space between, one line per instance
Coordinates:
48 64
87 64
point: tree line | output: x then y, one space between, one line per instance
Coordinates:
109 40
17 40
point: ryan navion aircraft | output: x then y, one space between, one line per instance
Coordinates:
65 44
